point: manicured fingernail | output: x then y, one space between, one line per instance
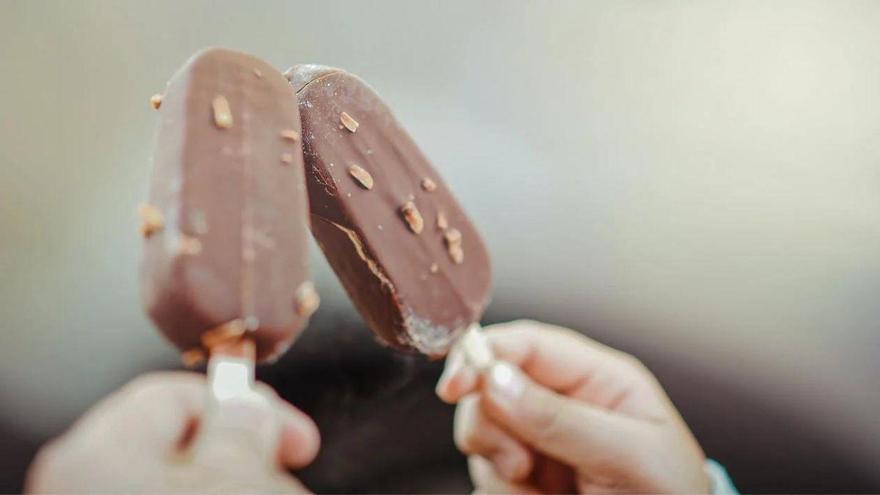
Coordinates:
454 364
506 382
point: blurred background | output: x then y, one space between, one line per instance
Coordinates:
695 182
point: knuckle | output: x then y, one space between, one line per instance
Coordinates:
267 392
632 362
549 424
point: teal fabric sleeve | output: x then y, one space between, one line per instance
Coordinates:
721 483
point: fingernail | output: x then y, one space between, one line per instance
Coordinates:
506 382
454 364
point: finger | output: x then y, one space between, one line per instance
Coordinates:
166 410
458 379
299 439
563 428
486 480
574 365
553 356
245 422
161 409
475 434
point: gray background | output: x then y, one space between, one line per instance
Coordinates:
696 178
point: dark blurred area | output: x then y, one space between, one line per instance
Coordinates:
385 432
694 182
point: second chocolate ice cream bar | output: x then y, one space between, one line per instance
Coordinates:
405 251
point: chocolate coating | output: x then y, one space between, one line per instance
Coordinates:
230 189
416 290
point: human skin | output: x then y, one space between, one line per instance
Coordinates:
559 412
139 440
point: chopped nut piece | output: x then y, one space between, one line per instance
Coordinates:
413 217
189 245
156 101
307 300
362 176
442 223
434 268
428 184
222 112
452 237
286 158
457 254
290 135
230 330
193 357
348 122
151 220
258 73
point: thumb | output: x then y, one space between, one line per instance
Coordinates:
568 430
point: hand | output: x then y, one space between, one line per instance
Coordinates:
560 412
138 439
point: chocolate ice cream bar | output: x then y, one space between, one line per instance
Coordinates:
226 225
401 244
